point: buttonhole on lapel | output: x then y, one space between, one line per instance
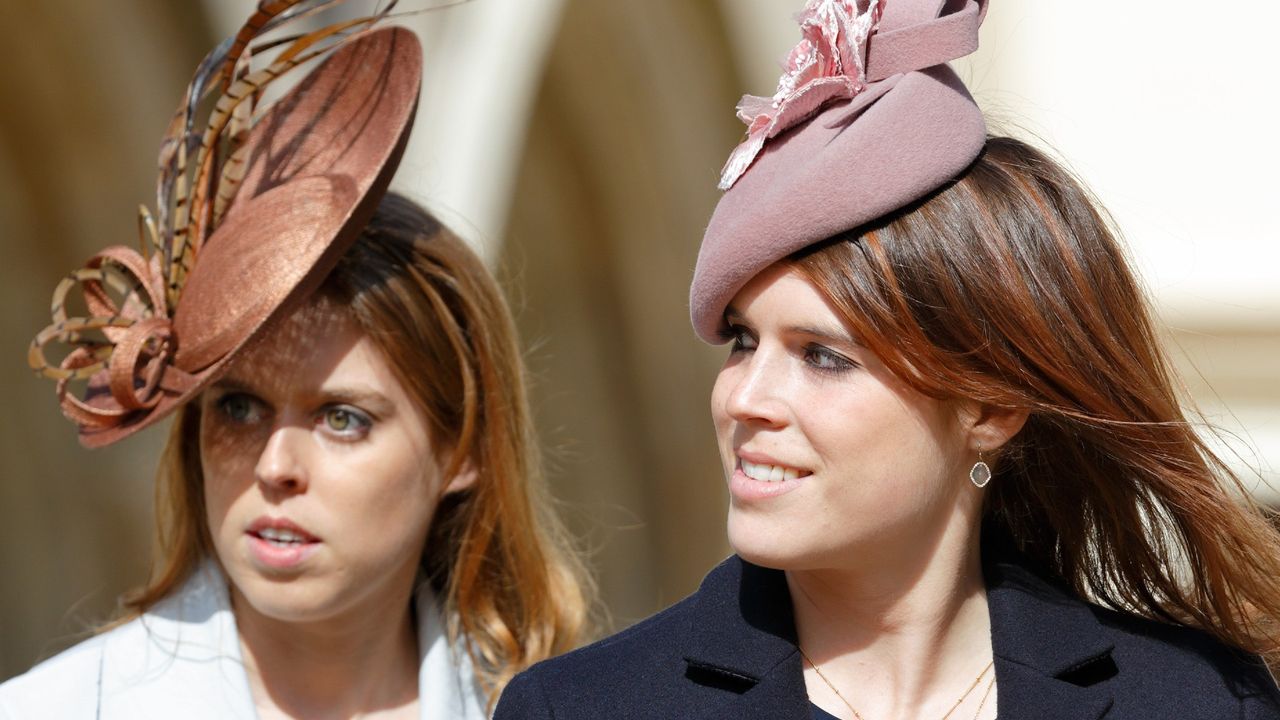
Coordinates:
1091 671
718 677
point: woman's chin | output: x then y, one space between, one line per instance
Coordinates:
770 543
291 601
771 560
770 549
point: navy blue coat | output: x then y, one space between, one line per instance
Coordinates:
729 651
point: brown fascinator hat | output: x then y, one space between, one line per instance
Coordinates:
254 209
867 119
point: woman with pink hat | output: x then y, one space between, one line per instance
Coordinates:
350 521
961 481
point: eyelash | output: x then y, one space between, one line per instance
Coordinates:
256 411
839 364
363 422
814 354
255 407
735 334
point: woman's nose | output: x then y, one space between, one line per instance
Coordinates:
756 392
282 464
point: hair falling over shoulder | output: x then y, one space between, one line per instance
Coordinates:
1008 287
497 554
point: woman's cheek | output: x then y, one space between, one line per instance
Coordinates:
228 450
227 463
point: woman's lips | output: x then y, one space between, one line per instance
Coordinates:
279 543
760 478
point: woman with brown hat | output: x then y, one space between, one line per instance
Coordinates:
350 521
961 480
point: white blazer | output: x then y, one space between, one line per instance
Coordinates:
182 659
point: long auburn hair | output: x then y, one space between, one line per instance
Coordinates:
501 562
1008 287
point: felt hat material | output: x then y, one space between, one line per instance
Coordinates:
909 128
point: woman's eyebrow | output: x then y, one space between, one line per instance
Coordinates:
227 384
358 395
833 334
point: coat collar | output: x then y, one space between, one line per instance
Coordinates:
742 637
1048 644
1052 655
185 652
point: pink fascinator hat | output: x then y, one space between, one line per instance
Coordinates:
867 119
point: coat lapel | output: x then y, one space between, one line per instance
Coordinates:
742 638
780 695
183 653
1024 693
446 683
1052 656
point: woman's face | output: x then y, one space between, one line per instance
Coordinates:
829 456
319 474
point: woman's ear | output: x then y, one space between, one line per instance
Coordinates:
989 427
463 479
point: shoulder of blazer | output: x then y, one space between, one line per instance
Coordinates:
608 678
183 652
65 685
728 650
615 658
1182 661
698 658
1055 651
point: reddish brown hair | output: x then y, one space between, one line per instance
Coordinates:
1008 287
497 554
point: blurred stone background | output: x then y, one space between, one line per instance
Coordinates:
577 143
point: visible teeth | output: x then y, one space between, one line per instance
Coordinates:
280 536
769 473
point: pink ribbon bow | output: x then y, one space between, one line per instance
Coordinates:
829 63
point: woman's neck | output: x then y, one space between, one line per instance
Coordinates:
905 629
363 664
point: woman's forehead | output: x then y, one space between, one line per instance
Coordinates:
314 340
784 293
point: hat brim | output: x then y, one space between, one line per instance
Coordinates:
319 161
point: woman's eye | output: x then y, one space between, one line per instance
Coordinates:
240 408
827 360
346 421
741 339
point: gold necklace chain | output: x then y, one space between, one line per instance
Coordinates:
985 694
973 685
981 704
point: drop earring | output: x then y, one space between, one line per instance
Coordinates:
980 473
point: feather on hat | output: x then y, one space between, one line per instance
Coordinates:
254 209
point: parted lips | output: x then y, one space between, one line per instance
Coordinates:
867 119
253 213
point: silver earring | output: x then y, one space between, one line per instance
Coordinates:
980 473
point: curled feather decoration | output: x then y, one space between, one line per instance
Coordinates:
131 295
